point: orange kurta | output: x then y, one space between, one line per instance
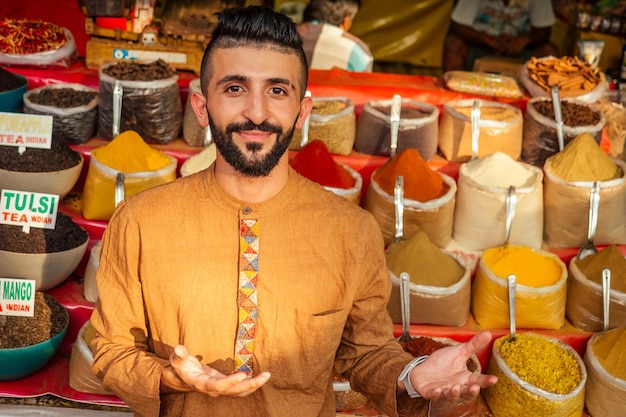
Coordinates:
168 275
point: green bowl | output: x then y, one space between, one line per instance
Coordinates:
11 101
17 363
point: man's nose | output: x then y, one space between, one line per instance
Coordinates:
257 108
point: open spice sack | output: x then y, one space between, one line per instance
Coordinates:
73 107
333 122
142 167
541 288
569 178
605 360
315 162
537 376
540 140
440 282
585 307
500 129
418 128
428 203
139 96
480 213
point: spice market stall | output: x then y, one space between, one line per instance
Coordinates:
360 90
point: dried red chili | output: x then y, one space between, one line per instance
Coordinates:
315 163
23 36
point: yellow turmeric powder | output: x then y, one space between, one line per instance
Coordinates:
531 268
584 160
129 153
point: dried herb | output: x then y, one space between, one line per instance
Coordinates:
23 36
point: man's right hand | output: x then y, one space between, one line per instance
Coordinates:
186 373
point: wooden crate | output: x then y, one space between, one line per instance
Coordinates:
181 55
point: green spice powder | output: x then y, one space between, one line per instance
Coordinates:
541 363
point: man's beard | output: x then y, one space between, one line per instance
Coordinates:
256 165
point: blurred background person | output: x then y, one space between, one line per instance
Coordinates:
510 28
326 40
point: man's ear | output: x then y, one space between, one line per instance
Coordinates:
198 103
306 105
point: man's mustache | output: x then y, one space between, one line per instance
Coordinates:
249 125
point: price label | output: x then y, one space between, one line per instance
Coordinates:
17 297
28 209
26 130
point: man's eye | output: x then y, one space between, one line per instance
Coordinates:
277 90
233 89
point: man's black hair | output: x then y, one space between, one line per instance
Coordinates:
255 27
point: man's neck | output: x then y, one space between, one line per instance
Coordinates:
251 189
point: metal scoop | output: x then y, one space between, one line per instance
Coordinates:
606 296
405 308
556 104
511 201
512 283
398 201
589 248
475 119
120 191
396 106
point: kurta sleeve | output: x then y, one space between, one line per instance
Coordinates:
122 357
369 355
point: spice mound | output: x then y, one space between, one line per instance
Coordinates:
139 71
425 263
610 350
316 163
19 331
573 114
9 81
584 160
531 268
129 153
23 36
65 236
59 157
571 74
498 170
63 97
611 258
421 183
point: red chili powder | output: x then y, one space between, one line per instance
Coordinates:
314 162
421 183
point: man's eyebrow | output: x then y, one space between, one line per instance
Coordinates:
230 78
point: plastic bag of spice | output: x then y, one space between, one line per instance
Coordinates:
56 45
540 139
605 391
501 129
441 291
193 133
585 307
540 294
480 213
333 122
81 377
73 107
566 210
418 128
537 376
142 166
148 97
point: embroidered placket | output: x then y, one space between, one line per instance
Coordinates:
247 297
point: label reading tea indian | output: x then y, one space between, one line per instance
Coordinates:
26 130
28 209
17 297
